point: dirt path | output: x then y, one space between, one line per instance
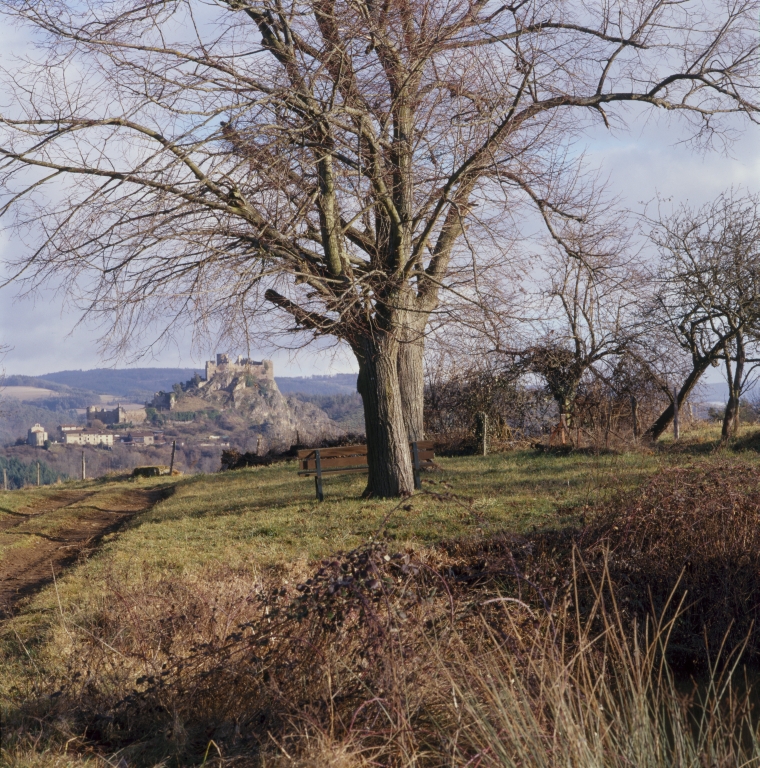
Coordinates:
49 504
82 518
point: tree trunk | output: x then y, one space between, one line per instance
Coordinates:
667 415
635 417
412 386
731 416
388 455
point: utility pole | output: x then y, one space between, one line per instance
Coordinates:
171 465
84 471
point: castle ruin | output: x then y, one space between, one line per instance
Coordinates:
107 416
262 369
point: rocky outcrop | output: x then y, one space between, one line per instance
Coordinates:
256 404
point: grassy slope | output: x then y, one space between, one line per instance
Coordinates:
267 518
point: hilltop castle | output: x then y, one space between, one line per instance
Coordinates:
261 369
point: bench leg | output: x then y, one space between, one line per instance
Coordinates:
416 456
318 478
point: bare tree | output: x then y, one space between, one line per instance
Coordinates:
327 158
585 313
708 293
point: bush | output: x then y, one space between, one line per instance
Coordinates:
687 542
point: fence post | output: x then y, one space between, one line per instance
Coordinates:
84 470
635 418
5 479
38 474
171 463
483 424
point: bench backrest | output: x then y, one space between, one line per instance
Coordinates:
347 456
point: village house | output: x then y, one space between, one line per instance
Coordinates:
88 437
139 438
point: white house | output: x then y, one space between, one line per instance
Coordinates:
88 437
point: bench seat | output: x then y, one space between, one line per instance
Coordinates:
318 462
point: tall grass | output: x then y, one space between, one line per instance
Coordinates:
608 699
384 663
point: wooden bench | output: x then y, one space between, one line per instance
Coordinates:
353 458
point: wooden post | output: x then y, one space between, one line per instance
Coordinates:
676 425
318 477
484 432
5 479
171 463
38 474
84 470
416 457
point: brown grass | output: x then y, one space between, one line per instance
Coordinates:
690 533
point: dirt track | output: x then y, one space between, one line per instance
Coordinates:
82 518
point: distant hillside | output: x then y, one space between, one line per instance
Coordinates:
134 383
337 384
144 382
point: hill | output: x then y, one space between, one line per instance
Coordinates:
129 382
137 383
242 404
337 384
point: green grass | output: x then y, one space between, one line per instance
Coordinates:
268 517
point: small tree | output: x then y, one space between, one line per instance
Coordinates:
589 303
708 293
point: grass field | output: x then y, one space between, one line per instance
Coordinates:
225 535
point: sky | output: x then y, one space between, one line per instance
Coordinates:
641 163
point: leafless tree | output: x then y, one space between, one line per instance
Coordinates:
585 310
173 162
708 293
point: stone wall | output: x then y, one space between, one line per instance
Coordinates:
106 415
263 369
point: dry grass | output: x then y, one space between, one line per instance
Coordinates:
377 661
